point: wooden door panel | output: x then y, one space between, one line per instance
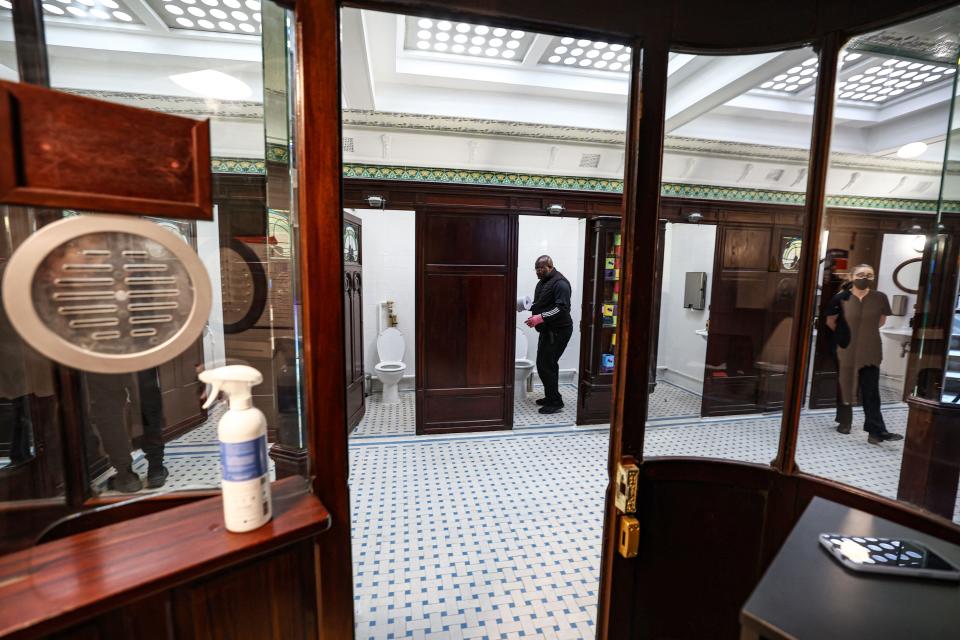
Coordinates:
465 264
468 328
460 239
745 248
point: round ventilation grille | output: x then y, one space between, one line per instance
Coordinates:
107 294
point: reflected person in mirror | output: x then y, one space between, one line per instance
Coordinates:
855 316
551 318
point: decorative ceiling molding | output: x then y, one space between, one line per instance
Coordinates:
180 105
360 118
353 118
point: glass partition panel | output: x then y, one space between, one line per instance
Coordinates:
734 181
145 432
880 380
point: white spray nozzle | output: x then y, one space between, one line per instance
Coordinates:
234 380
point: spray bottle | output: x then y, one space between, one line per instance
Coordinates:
242 432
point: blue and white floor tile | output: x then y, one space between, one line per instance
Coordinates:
458 537
399 418
192 459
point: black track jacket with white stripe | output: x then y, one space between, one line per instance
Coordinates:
551 299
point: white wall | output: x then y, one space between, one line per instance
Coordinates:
389 273
687 247
896 248
562 239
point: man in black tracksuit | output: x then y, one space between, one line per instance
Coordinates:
551 318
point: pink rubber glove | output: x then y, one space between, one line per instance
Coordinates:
533 321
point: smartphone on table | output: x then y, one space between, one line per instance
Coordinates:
890 556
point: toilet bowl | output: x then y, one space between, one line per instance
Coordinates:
523 368
390 348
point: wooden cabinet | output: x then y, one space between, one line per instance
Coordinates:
599 313
353 318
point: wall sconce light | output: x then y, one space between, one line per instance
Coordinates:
694 216
376 202
555 209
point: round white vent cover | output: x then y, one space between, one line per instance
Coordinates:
107 294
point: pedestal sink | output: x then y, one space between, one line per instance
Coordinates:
900 335
702 333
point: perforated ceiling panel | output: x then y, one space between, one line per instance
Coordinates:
464 39
223 16
864 78
587 54
91 11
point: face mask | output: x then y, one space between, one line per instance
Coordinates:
862 283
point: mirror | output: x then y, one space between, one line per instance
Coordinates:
907 275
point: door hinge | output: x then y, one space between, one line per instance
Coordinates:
628 475
629 541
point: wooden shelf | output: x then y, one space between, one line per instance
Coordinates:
56 584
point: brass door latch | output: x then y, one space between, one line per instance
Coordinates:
629 541
628 475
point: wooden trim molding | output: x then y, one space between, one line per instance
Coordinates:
52 154
321 255
55 585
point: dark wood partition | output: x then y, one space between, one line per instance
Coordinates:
466 287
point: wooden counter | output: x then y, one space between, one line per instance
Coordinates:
162 575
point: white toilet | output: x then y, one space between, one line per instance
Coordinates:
390 348
523 368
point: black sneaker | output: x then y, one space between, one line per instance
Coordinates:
542 401
888 436
125 481
156 476
843 428
551 408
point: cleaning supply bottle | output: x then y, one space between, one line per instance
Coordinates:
242 432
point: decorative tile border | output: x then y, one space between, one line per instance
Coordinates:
468 176
237 165
576 183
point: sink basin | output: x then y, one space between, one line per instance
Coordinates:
900 334
702 333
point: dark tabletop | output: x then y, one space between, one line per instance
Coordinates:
806 594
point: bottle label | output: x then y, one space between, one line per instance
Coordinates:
246 460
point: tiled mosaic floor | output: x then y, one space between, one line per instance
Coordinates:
455 536
671 401
399 419
193 460
458 537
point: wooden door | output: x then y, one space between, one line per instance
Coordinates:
750 319
466 286
353 318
